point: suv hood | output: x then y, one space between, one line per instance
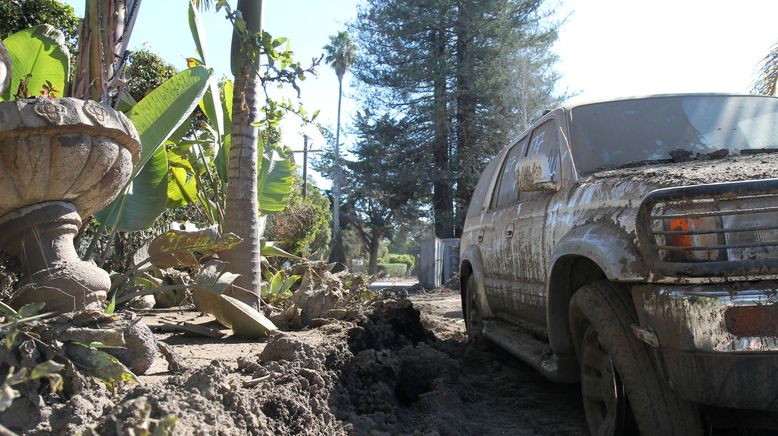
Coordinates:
697 172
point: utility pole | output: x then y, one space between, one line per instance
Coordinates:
305 152
305 166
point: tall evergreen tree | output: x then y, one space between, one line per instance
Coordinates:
467 74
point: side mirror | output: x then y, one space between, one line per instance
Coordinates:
534 173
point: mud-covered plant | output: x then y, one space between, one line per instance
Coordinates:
49 370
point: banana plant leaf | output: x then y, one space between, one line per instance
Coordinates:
210 104
156 118
223 156
178 248
275 180
41 52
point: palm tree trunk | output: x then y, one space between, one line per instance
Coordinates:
336 251
242 211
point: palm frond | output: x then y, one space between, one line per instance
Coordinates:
768 74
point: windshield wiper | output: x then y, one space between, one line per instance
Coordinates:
640 163
750 151
633 164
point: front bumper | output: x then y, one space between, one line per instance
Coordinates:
699 354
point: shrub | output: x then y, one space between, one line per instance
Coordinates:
303 227
392 269
406 259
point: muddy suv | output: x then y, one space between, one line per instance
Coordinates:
632 245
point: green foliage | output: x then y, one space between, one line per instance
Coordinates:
302 228
392 269
277 290
156 118
275 178
40 59
341 53
146 71
16 15
465 75
406 259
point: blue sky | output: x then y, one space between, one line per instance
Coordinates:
607 48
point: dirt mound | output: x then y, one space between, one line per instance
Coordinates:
385 373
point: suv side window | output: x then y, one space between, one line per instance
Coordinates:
506 193
479 194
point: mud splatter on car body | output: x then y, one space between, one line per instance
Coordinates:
669 198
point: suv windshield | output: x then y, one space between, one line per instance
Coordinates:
637 132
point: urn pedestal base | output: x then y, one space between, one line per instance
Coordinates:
41 235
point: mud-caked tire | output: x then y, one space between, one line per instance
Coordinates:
472 312
623 393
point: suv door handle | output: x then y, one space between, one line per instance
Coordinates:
509 231
480 236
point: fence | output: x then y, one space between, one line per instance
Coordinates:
438 261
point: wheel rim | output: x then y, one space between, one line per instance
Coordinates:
604 397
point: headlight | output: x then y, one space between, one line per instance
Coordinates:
689 238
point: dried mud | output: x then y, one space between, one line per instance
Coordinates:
393 370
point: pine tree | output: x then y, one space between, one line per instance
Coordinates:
466 74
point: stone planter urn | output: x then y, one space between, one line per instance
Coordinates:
60 160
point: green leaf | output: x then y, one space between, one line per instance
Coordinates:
50 370
275 180
101 365
276 282
268 249
40 51
210 104
182 190
125 101
145 200
111 306
30 309
223 156
156 118
212 109
198 34
160 113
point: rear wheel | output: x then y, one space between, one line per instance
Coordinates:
622 391
473 320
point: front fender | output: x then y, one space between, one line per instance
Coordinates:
604 244
472 256
607 245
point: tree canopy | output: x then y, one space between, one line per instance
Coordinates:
464 76
16 15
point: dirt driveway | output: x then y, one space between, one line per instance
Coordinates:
395 369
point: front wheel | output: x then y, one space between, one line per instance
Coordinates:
473 320
622 391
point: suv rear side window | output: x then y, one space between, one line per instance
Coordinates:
479 194
506 193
